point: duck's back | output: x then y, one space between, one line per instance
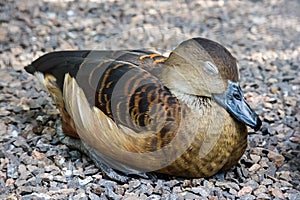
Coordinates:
124 85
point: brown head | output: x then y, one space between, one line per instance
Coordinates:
204 68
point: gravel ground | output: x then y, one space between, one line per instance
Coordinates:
263 35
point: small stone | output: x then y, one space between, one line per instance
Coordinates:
45 176
268 105
267 181
264 162
234 185
274 89
59 160
37 155
255 158
97 189
50 168
281 113
176 189
21 142
262 196
295 139
172 183
36 196
4 112
158 189
285 183
77 173
85 181
90 171
269 118
112 195
66 192
3 34
80 196
9 181
134 184
189 195
253 184
22 169
34 181
120 190
245 190
186 183
149 189
285 175
295 196
68 172
247 197
233 191
130 196
276 192
21 182
276 158
22 190
33 168
200 190
60 179
244 171
93 196
12 170
153 197
254 167
260 189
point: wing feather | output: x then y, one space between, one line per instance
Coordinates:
118 146
119 107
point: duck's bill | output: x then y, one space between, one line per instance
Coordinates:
234 102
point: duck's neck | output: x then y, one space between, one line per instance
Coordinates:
192 101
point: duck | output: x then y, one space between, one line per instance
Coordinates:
138 111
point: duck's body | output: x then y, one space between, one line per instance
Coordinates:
139 111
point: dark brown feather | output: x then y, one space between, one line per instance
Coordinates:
124 85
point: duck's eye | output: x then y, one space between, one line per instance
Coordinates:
237 96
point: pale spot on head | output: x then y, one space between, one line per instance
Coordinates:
210 68
238 70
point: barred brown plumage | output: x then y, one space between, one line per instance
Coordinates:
138 111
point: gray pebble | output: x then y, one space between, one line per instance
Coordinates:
254 185
93 196
247 197
263 196
294 196
12 170
85 181
36 196
200 190
189 195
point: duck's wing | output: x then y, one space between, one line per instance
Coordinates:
115 102
126 79
61 62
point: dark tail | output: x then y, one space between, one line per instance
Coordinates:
30 69
58 64
49 61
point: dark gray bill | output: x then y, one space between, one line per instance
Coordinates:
234 102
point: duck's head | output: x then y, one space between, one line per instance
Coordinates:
203 68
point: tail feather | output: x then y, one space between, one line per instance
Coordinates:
58 64
53 59
30 69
